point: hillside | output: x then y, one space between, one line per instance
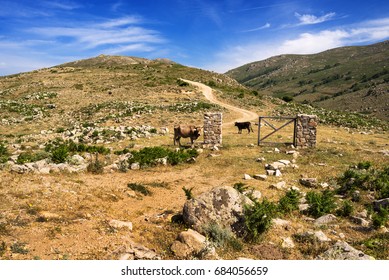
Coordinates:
88 169
353 79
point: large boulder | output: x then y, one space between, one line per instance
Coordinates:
343 251
222 206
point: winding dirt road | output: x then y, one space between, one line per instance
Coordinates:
246 115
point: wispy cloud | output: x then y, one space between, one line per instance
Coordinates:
312 19
303 43
265 26
63 5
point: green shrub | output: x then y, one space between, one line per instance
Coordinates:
222 237
320 203
346 209
96 166
240 187
258 218
148 156
4 154
60 154
19 248
188 193
380 217
139 188
31 157
289 202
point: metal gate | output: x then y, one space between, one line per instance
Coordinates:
275 129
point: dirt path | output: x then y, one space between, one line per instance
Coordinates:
207 91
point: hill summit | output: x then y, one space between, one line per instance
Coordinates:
346 79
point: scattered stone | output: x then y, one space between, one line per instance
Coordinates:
135 166
278 173
253 193
326 219
190 243
261 159
270 172
321 237
247 177
359 221
137 251
120 224
308 182
280 222
279 186
381 203
287 243
303 207
45 216
260 177
276 150
343 251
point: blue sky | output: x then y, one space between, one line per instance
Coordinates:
215 35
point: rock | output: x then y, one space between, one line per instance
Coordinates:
270 172
326 219
120 224
384 203
138 252
303 207
162 161
45 216
279 186
343 251
285 162
18 168
189 243
222 206
308 182
359 221
261 159
278 173
77 160
321 237
135 166
287 243
260 177
253 193
247 177
280 222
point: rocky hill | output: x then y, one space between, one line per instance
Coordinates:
353 79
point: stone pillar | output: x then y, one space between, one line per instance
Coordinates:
213 129
306 131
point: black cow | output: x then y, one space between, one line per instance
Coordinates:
244 125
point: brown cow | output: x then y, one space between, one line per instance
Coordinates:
185 131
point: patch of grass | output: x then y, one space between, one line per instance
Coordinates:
240 187
346 209
376 246
320 203
19 248
380 217
139 188
3 248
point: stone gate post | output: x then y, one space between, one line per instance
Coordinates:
213 129
306 131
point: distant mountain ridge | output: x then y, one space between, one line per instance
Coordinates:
345 79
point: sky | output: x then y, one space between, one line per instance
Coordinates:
216 35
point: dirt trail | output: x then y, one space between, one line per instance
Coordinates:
207 91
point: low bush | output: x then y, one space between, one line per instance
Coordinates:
4 154
222 237
346 209
188 193
289 202
320 203
148 156
258 218
95 166
31 157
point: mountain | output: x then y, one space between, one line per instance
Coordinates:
105 89
346 79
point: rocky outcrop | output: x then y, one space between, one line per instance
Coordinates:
222 206
343 251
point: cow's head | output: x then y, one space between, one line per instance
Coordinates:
197 132
236 124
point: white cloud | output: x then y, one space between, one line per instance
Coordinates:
304 43
265 26
312 19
